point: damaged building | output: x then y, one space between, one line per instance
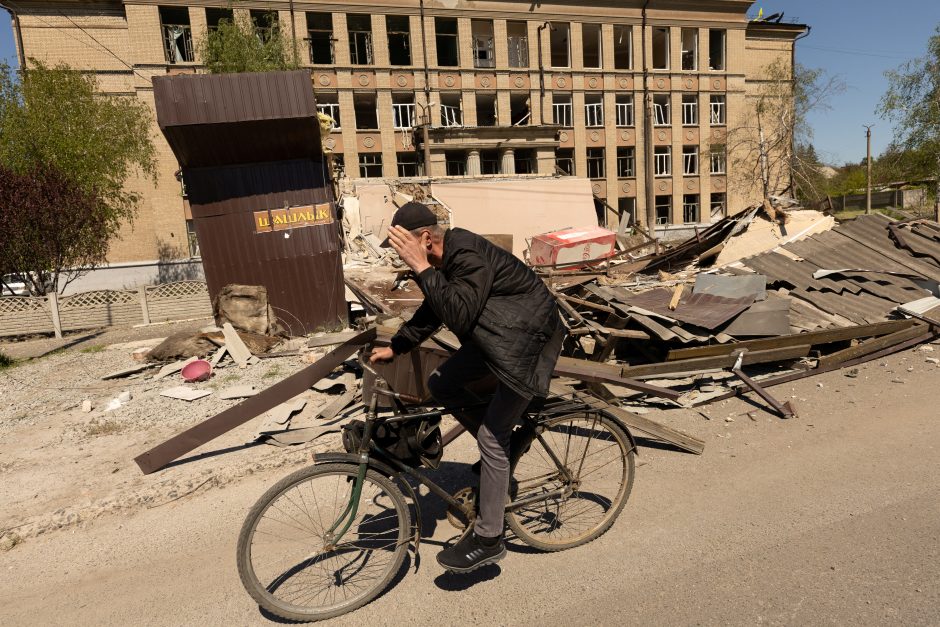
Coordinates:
506 89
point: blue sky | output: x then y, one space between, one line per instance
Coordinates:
855 40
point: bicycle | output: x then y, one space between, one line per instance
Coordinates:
329 538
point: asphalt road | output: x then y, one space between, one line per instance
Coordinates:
829 518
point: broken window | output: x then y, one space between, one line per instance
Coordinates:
450 110
519 109
370 165
360 38
403 110
661 48
717 105
690 160
626 208
320 35
518 35
455 162
662 160
214 16
663 206
483 51
717 158
407 164
716 48
623 47
399 39
593 110
366 113
626 161
595 163
561 109
564 161
689 110
339 166
525 161
718 205
591 45
328 104
661 113
624 109
177 35
445 29
689 49
191 239
489 162
690 208
265 23
559 35
486 109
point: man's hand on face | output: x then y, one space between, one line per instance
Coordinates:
410 248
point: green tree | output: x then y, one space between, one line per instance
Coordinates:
240 45
53 120
763 142
912 104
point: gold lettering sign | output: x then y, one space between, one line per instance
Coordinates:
262 221
293 217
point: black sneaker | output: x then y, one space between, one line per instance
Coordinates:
471 553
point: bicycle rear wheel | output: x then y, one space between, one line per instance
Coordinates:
290 570
599 469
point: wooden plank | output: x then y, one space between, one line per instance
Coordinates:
642 424
871 346
718 361
593 372
194 437
812 338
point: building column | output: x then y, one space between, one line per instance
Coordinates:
508 162
473 163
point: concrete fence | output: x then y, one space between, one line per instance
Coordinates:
26 315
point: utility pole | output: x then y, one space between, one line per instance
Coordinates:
293 31
868 178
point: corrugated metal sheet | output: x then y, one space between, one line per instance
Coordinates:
223 119
250 143
702 310
871 231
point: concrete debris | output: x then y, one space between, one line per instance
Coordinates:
86 406
173 368
183 393
235 346
140 354
246 308
238 391
126 372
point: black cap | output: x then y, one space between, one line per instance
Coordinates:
411 216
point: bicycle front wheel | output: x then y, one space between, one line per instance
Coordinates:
287 561
573 482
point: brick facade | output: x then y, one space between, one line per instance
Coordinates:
135 52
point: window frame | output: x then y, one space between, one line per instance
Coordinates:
364 165
662 161
595 163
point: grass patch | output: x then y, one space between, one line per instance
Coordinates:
6 361
275 371
96 348
104 427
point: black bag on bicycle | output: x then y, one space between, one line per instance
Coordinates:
413 442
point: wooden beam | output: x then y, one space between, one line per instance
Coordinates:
718 361
642 424
593 372
871 346
799 339
211 428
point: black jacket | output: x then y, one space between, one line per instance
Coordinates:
489 298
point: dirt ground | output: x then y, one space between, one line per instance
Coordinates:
832 517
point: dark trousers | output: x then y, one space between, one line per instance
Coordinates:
463 380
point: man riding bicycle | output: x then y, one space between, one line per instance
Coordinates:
510 334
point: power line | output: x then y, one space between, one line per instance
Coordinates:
859 52
90 36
